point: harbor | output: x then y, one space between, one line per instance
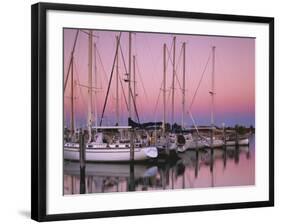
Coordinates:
192 169
124 133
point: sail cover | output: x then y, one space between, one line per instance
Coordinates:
147 125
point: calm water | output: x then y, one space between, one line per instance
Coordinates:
205 168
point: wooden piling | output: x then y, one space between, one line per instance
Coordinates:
196 164
132 177
82 180
196 142
236 154
163 178
224 157
197 155
82 150
224 136
167 151
212 138
212 160
224 147
132 146
236 138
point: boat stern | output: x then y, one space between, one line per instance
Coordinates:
151 152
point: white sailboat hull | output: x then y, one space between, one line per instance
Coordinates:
111 154
195 145
217 143
192 144
240 142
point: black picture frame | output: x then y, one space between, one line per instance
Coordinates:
39 118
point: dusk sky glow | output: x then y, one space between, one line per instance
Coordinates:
234 77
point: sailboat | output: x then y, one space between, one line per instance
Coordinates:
176 142
200 141
190 143
167 142
213 142
102 148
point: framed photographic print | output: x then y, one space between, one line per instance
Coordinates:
140 111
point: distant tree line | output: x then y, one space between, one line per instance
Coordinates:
241 129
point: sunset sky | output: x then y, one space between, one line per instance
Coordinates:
234 77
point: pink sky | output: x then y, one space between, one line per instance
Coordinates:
234 76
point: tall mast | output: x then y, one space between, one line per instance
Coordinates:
90 42
173 80
72 99
134 81
129 74
132 157
183 85
164 86
95 86
213 87
71 61
117 82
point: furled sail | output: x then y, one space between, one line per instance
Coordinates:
146 125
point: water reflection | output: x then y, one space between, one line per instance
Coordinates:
232 166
